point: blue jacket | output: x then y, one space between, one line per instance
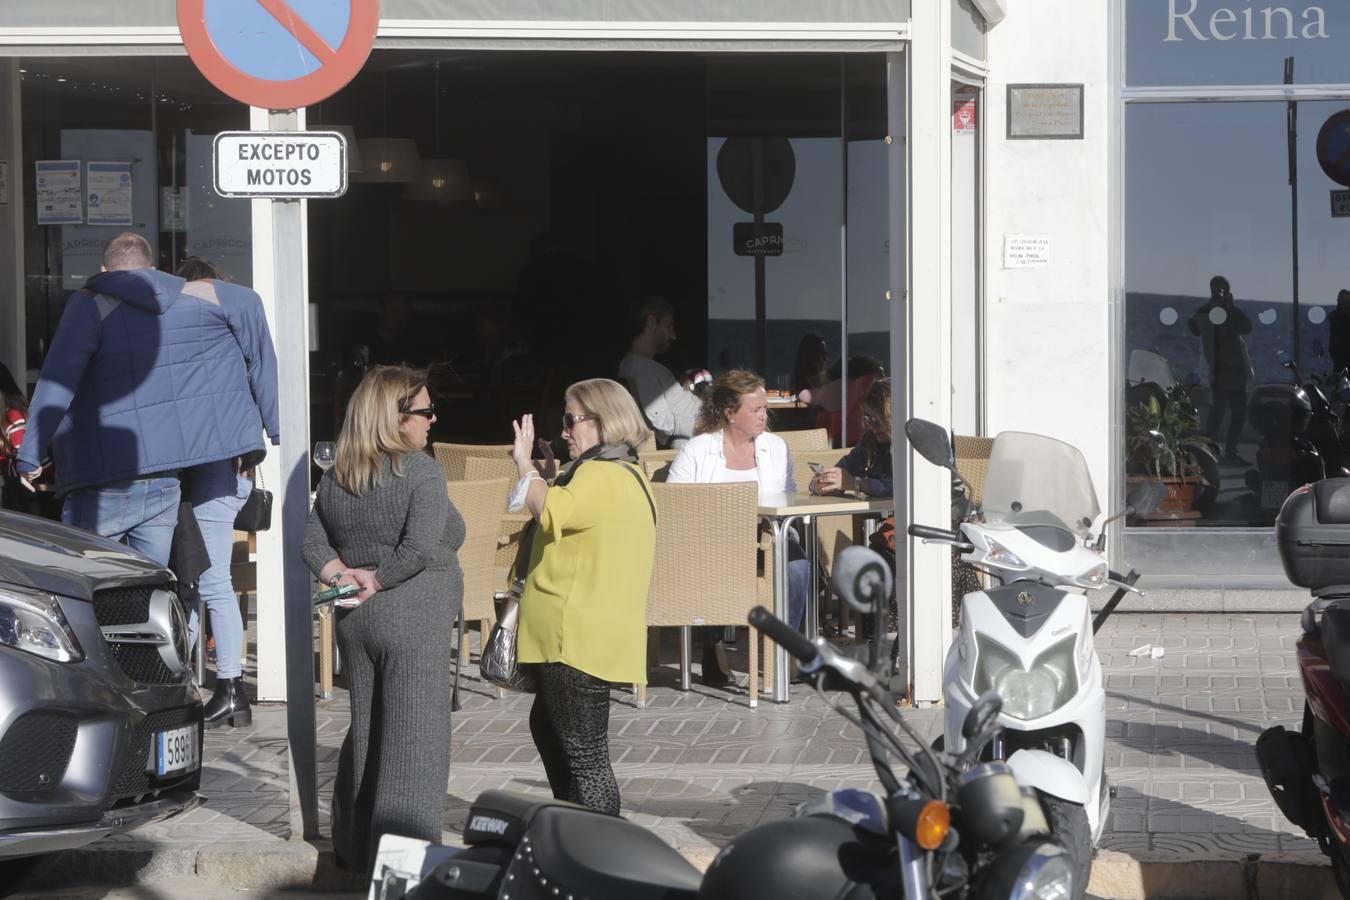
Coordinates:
148 373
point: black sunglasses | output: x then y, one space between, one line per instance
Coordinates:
426 412
570 421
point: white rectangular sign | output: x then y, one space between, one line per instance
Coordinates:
60 200
1340 204
108 189
1026 251
280 164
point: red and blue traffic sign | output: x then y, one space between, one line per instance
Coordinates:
279 54
1333 147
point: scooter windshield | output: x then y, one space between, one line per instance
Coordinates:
1036 480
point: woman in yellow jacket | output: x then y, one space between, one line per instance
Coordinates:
583 613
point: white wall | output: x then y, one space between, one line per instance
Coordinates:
1047 342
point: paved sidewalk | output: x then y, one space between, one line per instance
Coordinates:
700 767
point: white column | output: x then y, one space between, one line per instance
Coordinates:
13 317
271 633
930 329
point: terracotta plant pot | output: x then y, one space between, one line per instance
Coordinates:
1177 508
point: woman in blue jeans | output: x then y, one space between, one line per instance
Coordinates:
217 492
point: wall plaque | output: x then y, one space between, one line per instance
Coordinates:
1045 111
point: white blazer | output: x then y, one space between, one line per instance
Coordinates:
702 461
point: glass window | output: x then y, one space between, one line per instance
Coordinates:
1195 42
1235 345
154 116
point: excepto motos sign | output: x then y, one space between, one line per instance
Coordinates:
279 164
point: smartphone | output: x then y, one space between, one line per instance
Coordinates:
332 595
816 467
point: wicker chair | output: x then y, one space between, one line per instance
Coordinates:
481 504
490 468
452 456
972 459
656 463
705 572
806 439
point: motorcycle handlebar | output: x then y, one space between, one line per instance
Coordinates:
946 535
782 634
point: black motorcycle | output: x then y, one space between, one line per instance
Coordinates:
949 827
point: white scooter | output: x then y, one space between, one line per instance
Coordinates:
1040 532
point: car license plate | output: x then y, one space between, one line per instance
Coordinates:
176 750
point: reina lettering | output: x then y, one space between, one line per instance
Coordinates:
1267 23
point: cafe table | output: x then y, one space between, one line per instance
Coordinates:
780 512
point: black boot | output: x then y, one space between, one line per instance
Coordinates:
228 705
716 673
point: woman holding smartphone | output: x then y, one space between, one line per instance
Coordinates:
383 523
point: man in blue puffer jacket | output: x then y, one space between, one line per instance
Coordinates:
147 376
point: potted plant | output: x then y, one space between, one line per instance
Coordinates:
1167 444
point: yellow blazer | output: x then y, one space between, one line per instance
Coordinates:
585 598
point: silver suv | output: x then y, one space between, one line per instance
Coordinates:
100 718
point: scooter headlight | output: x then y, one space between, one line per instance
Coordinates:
1036 870
1027 694
1001 556
1094 577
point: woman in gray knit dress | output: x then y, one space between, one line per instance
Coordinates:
382 521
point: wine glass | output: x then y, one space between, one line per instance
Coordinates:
325 454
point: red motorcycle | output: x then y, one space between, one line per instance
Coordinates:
1308 771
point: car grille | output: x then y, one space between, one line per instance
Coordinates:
143 663
35 752
122 606
134 780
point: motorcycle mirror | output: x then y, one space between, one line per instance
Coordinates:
982 714
931 441
862 578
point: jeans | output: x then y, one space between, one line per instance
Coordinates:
217 494
141 513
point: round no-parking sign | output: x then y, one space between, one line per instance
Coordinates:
279 54
1333 147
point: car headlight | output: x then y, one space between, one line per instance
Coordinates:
1094 577
1036 870
1027 693
33 622
1002 557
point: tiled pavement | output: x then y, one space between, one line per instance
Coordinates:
700 767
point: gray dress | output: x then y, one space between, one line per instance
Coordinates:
396 651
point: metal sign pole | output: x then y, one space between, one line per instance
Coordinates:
292 347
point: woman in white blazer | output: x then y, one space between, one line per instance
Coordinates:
731 443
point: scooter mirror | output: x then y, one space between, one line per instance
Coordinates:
931 442
1145 497
982 714
862 578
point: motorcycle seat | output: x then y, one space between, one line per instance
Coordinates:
581 853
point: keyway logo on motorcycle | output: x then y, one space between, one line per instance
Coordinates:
489 825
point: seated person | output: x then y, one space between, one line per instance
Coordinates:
669 406
863 372
731 444
867 467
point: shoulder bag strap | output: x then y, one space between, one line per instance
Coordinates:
645 492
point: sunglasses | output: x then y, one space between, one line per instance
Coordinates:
426 412
870 421
570 421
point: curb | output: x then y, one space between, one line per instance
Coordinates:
279 865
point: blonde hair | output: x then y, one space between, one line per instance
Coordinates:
370 429
620 420
725 396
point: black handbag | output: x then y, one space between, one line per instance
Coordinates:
256 513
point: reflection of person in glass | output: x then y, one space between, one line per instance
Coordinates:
1220 326
1339 322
